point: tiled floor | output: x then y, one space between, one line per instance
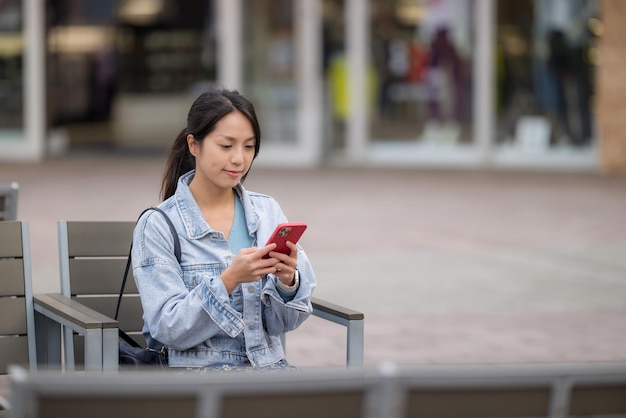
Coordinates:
448 266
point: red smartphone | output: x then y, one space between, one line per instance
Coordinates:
290 231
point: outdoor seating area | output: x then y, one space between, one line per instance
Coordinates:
30 330
21 340
44 379
94 256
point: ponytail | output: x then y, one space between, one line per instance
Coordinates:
179 162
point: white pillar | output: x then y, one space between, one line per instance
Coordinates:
309 78
357 43
229 45
35 85
29 144
483 79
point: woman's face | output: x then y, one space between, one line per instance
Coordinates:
226 153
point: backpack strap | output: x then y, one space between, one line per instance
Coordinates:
177 253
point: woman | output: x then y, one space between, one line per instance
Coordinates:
224 305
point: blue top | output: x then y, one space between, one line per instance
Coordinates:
239 236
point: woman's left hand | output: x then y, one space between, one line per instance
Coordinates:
287 264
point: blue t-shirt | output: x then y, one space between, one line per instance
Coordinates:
239 238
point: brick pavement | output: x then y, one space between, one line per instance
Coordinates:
448 266
468 338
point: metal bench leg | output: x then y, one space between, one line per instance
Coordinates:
355 342
68 344
110 348
48 336
93 349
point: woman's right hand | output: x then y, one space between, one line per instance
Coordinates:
249 266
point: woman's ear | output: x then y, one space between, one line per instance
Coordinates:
192 144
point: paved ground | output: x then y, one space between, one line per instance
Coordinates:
448 266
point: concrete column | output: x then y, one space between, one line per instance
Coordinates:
611 88
483 110
229 45
309 78
357 42
30 144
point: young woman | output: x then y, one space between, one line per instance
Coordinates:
224 304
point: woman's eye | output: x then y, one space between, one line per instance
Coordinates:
250 146
226 146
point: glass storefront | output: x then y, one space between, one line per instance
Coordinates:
545 61
421 71
124 73
11 68
401 82
464 83
334 67
269 67
417 87
169 53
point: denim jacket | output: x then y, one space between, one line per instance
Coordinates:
186 306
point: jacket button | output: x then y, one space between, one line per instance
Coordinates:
251 289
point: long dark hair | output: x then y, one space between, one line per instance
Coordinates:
203 115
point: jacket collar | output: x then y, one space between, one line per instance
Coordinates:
193 220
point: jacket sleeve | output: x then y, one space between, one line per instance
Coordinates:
281 316
176 315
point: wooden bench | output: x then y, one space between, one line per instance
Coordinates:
528 390
387 391
30 325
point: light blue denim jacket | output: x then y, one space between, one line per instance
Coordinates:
186 306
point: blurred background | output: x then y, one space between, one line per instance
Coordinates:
459 161
461 83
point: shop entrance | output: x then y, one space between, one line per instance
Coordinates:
122 74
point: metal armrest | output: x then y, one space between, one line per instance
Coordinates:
100 331
351 319
64 309
4 406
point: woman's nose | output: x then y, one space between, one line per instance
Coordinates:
237 156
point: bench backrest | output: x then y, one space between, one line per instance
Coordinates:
308 394
17 324
602 396
93 258
541 390
537 390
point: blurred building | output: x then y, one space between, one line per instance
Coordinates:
417 83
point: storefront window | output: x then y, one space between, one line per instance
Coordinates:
335 74
169 52
11 66
269 67
545 70
124 72
419 81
